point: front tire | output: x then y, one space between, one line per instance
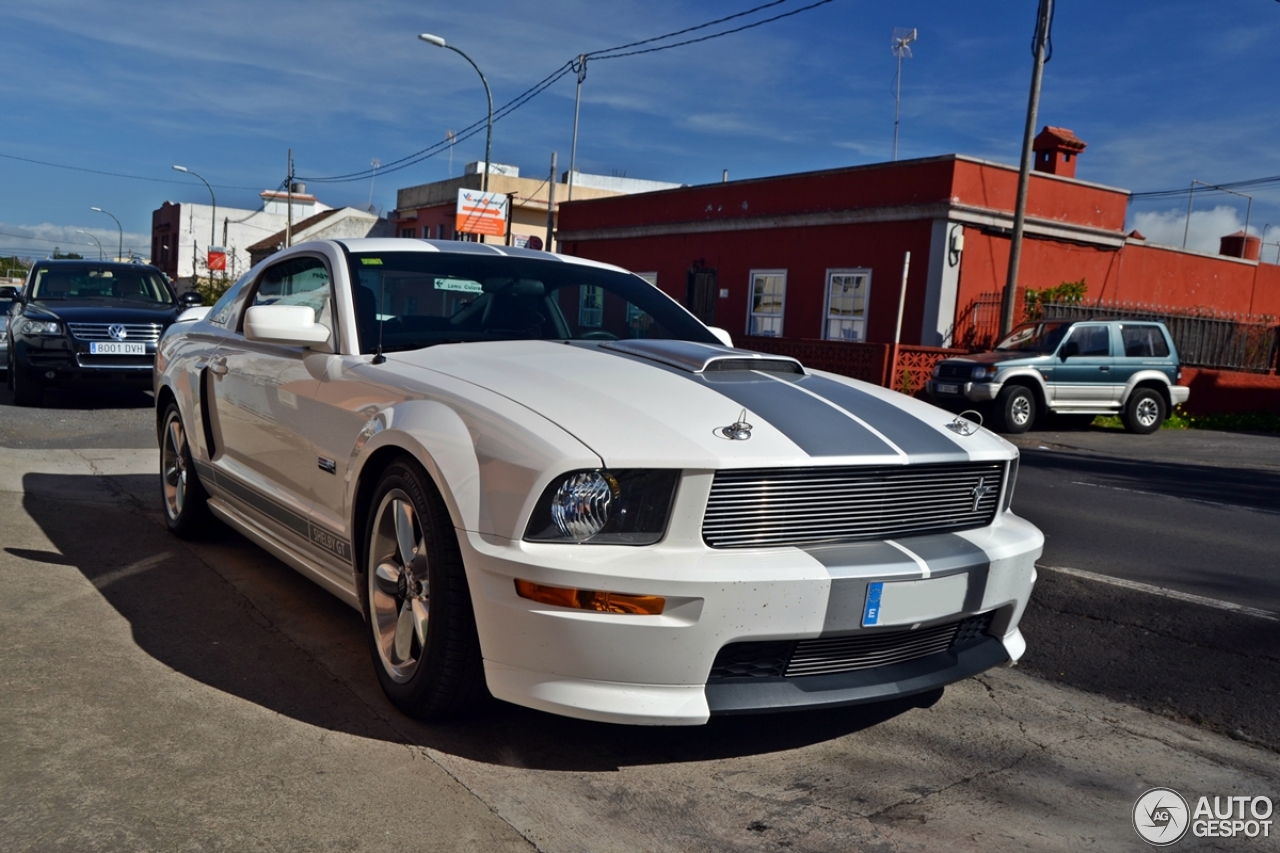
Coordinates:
421 628
1016 407
182 495
1145 411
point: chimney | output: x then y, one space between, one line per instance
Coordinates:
1241 245
1057 149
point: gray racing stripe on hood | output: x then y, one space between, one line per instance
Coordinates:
816 428
901 427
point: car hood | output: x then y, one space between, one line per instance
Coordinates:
102 311
999 357
636 403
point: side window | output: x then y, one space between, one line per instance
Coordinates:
220 313
847 292
768 296
297 281
1091 340
1144 342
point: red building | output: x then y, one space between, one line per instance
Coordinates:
820 254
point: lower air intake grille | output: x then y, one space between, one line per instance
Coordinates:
827 656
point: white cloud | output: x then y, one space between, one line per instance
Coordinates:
1207 226
37 241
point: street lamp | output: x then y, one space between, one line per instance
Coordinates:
119 254
213 219
101 254
488 137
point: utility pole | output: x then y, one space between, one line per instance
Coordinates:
1007 306
288 225
551 203
581 67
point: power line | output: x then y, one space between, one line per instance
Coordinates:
1249 184
546 82
113 174
752 25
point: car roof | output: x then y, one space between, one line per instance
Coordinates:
85 263
412 244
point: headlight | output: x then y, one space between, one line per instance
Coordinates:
604 508
984 371
28 326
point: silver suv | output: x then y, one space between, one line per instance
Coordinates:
1070 368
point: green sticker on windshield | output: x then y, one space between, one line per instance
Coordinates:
371 262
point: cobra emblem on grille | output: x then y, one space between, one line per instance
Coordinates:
979 492
117 332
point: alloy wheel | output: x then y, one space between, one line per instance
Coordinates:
399 586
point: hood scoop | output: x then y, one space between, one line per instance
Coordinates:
693 357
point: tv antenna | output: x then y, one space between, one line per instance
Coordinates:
376 163
902 39
450 136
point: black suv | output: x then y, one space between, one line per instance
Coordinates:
88 322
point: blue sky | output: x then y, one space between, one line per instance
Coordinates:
1164 92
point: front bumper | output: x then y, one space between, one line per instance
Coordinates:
57 361
657 669
943 391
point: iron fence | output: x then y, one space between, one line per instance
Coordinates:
1204 337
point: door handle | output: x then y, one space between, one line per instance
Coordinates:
1104 368
218 367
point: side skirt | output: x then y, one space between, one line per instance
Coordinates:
283 551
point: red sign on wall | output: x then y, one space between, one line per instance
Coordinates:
217 258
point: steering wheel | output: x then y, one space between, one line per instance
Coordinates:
598 335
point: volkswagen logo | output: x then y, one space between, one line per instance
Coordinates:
117 332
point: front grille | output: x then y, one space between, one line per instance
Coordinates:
140 362
865 650
801 506
955 371
146 332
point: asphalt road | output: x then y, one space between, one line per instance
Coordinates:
159 695
1187 510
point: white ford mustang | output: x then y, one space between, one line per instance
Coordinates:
541 478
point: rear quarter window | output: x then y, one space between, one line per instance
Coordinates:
1144 342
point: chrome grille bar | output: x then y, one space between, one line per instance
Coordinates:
847 654
793 506
137 332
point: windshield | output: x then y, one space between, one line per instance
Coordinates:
89 281
411 300
1034 337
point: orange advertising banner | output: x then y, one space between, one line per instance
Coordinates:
481 213
217 258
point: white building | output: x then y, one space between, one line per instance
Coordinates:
181 233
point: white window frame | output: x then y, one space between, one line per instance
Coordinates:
770 317
590 316
827 319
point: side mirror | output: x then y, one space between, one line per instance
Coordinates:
292 325
190 299
720 333
1069 349
8 292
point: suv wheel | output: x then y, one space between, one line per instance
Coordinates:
1016 408
1145 412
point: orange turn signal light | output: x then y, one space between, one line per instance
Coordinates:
590 599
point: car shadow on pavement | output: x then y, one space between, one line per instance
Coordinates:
228 615
87 398
1244 487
